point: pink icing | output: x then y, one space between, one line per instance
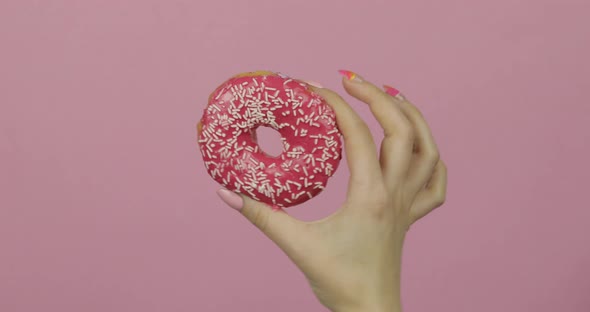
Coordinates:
312 144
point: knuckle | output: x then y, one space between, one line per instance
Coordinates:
260 219
443 166
415 111
359 124
439 199
379 206
432 156
406 132
380 200
379 196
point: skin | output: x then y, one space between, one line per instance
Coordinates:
352 259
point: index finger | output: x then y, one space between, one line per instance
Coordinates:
361 152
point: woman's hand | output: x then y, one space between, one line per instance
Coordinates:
352 258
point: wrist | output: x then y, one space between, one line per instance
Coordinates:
391 304
393 308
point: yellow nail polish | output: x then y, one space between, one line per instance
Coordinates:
350 75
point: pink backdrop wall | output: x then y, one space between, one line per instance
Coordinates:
105 204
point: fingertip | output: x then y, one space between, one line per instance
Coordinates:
231 199
350 76
360 88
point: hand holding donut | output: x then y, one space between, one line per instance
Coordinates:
352 258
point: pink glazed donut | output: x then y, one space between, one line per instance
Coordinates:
312 145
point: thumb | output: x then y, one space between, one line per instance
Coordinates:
274 223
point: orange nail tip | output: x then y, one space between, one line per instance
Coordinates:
347 73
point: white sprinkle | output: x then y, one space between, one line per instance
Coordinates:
298 194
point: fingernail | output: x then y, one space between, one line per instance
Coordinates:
350 75
313 83
231 199
393 92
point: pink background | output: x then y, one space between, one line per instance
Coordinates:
105 204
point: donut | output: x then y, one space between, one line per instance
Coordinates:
312 142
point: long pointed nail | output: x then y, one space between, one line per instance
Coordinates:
350 75
393 92
231 199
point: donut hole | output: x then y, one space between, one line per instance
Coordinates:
269 141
